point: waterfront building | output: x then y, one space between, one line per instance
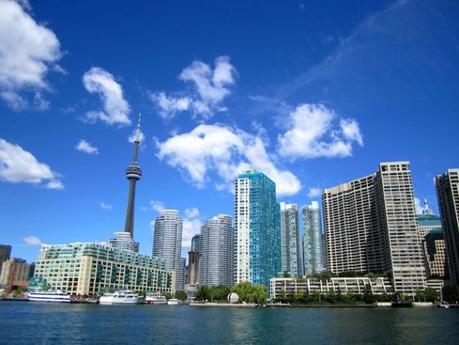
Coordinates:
167 242
5 253
123 240
344 285
290 246
371 226
434 246
312 239
215 255
447 186
91 268
193 261
427 221
257 252
15 274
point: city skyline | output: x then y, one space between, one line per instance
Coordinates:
74 144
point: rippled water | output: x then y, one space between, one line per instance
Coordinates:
30 323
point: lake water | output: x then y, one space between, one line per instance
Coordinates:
30 323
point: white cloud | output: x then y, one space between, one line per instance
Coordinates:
105 206
314 192
210 88
18 165
228 152
116 109
191 226
86 147
32 241
28 50
133 135
157 206
312 133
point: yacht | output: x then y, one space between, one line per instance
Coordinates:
121 297
48 296
173 301
155 298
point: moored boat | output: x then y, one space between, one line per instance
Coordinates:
121 297
48 296
155 298
173 301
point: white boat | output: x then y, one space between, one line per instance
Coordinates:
121 297
173 301
48 296
155 298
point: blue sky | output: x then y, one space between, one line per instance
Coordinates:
312 93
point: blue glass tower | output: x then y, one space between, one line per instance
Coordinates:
257 242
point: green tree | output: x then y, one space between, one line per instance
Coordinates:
251 293
181 295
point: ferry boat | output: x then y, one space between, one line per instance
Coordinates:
48 296
121 297
155 298
173 301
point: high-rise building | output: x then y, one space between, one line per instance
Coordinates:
123 240
15 274
5 253
371 226
90 268
257 251
133 174
427 221
313 256
215 256
447 186
193 261
290 246
167 242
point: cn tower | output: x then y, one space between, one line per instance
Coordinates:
133 174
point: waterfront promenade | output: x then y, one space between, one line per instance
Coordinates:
30 323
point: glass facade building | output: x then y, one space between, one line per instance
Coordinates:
257 239
90 269
290 246
313 257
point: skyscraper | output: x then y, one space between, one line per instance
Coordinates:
5 253
167 242
312 239
257 252
447 186
193 260
215 255
371 226
125 240
290 247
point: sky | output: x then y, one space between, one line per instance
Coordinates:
313 94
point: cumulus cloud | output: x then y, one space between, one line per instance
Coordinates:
28 50
312 133
226 151
314 192
18 165
105 206
115 107
209 88
86 147
191 226
32 241
157 206
419 207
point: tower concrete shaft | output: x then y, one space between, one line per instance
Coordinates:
133 174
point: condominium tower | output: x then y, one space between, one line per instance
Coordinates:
371 226
447 186
167 242
5 253
215 256
290 247
257 250
312 239
193 260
